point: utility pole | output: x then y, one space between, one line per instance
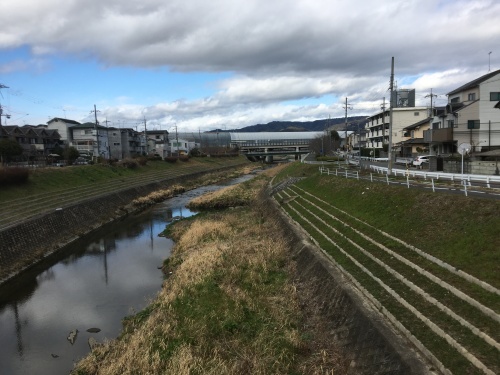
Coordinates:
1 110
346 107
146 135
107 131
389 165
96 123
431 95
177 140
489 61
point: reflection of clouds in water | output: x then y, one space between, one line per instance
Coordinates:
103 278
114 277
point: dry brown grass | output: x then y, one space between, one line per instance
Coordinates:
158 196
229 307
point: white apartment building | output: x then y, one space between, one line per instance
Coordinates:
377 126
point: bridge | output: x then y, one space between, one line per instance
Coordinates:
265 145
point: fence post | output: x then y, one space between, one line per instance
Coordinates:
387 178
357 175
433 190
346 173
371 177
408 181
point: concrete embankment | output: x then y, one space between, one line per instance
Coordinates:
27 243
367 340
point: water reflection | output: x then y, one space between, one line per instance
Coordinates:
94 282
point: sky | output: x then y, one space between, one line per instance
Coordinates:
200 65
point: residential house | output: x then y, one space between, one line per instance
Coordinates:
181 146
35 140
158 143
414 138
62 126
90 139
471 116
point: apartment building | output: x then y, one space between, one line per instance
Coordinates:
377 126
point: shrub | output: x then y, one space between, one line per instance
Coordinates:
13 176
129 163
171 159
142 160
184 158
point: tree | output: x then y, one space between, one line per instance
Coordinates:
335 137
8 149
70 154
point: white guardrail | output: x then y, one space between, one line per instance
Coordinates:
487 179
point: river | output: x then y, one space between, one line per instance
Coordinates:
91 284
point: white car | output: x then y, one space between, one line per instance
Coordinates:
419 160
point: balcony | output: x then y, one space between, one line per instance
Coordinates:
438 135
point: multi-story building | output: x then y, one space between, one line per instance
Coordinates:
471 116
377 126
90 140
158 143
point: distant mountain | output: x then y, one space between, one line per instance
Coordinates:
299 126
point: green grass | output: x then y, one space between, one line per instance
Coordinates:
439 224
56 179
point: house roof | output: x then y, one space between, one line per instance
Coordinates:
417 124
56 119
474 83
88 125
413 141
497 105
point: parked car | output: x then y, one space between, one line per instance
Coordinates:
80 161
419 160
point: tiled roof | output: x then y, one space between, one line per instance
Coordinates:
64 120
420 123
475 82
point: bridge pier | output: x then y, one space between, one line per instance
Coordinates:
269 159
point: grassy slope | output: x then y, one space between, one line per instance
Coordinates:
462 231
57 179
458 230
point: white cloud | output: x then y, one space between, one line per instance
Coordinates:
278 51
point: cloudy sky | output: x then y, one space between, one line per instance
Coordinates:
227 64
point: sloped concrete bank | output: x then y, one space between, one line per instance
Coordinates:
366 339
25 244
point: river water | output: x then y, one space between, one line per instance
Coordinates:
93 283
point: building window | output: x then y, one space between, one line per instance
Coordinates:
451 123
87 131
455 99
416 113
494 96
472 96
116 144
435 125
473 124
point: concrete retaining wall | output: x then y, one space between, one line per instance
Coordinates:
25 244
